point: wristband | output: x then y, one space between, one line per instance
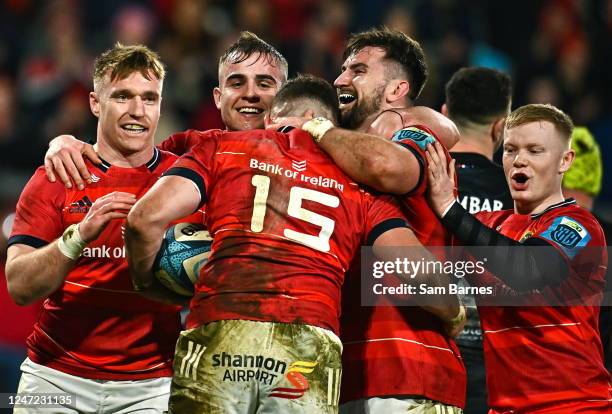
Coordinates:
448 208
70 244
317 127
459 318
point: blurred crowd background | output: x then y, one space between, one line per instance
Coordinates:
557 51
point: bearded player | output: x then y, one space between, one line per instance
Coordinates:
539 358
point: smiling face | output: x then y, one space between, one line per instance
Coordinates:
128 111
246 90
534 159
361 87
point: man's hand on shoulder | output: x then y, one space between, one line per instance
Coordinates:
65 159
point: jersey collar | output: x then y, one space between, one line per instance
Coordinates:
151 164
566 202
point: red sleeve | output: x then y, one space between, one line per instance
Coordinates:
383 214
571 232
38 218
181 142
415 138
197 164
579 238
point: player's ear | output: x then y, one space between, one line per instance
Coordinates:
308 114
566 160
396 90
217 97
94 104
497 132
444 110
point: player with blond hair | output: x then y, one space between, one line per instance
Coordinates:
96 338
544 354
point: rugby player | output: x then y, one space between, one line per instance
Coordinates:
539 358
96 338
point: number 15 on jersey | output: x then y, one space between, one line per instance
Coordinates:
294 209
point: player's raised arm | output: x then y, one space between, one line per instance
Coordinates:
517 264
388 122
65 158
171 198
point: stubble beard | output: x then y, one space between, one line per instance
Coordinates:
354 117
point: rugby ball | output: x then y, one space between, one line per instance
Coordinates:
183 252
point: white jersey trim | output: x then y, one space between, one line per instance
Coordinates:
399 339
73 356
131 292
534 327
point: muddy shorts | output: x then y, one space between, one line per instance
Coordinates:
239 366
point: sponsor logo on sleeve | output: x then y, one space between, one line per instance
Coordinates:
568 234
417 135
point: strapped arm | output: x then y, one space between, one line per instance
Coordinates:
519 265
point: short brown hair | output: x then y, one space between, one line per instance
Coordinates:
308 87
247 45
542 112
399 48
122 60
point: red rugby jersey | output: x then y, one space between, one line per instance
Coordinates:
540 356
286 223
95 325
181 142
401 350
